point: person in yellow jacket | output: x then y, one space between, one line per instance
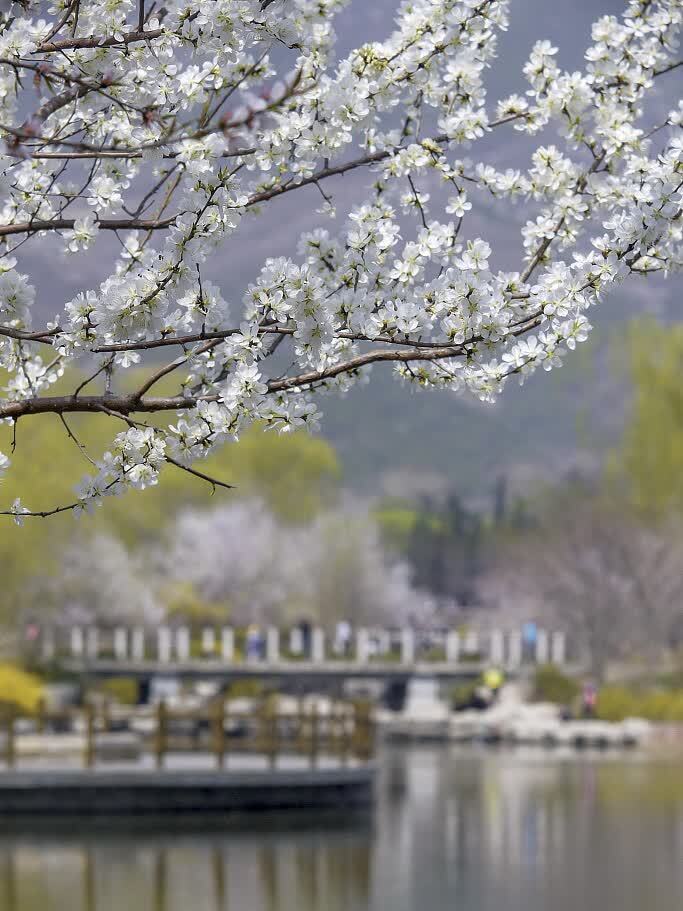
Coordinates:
493 680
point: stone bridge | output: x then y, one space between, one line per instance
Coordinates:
224 654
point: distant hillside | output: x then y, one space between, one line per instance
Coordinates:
385 432
382 429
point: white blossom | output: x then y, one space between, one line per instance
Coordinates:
169 148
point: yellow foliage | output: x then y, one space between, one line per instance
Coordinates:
19 688
616 703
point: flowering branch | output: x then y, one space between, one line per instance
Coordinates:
169 128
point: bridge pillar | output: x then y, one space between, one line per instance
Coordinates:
92 642
407 646
452 646
208 640
273 644
497 647
76 642
227 644
362 646
164 644
137 644
515 649
120 643
317 645
558 647
542 654
182 643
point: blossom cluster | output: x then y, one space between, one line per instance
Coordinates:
166 130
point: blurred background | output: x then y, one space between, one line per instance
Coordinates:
560 508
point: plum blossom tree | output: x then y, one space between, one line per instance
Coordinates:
164 125
611 581
97 581
239 557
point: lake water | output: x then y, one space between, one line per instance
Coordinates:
453 830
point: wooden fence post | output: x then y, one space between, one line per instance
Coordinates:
313 745
271 722
301 726
89 750
160 737
10 744
362 727
219 732
342 733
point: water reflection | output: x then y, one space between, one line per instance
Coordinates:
453 829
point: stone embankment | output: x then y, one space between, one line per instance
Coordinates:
510 722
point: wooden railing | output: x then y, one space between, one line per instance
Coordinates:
344 732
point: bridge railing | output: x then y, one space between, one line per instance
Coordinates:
506 648
338 730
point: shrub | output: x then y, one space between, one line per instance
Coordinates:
123 690
462 694
19 689
551 685
617 702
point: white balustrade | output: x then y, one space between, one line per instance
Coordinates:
558 647
164 644
137 644
514 649
497 647
273 644
227 644
208 640
296 641
471 643
317 645
452 646
120 643
76 642
542 652
407 646
504 649
182 643
362 646
92 642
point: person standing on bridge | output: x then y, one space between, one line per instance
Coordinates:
253 642
342 638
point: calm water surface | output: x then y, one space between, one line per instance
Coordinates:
453 829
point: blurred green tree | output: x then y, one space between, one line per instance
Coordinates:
295 475
648 464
